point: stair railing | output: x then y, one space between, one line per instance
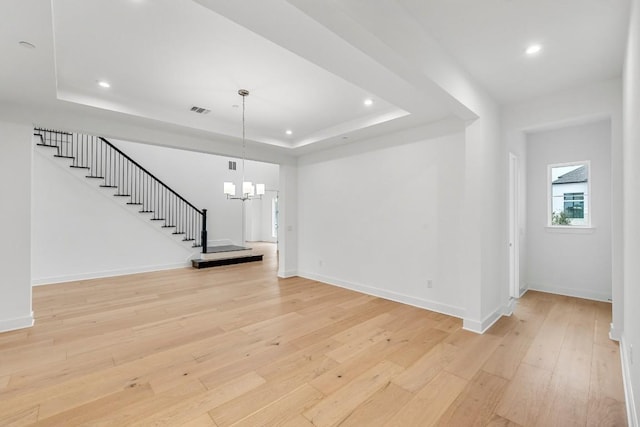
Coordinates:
105 161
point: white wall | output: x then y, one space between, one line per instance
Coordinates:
385 222
82 231
484 266
631 334
288 222
570 262
15 245
259 217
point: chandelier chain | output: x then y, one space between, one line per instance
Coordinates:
244 144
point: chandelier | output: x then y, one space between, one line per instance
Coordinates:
249 191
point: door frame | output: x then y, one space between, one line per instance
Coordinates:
514 227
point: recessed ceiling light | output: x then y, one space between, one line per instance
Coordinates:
533 49
289 132
104 84
368 102
27 44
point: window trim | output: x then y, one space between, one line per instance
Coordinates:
587 202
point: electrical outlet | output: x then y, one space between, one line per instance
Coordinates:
429 283
320 263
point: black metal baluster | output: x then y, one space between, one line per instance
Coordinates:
109 180
146 194
85 151
135 185
96 144
156 196
98 158
101 157
121 188
153 199
91 157
204 237
120 176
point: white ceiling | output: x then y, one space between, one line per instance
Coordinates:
164 56
583 41
309 65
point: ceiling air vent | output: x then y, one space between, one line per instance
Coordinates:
200 110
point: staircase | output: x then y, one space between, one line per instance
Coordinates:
114 169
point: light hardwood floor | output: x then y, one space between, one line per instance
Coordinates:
237 346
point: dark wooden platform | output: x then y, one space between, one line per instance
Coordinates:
217 256
206 263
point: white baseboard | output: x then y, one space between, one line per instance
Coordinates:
614 334
16 323
480 327
109 273
287 274
578 293
390 295
632 416
523 291
507 310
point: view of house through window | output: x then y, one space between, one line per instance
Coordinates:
569 191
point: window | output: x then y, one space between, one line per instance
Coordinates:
574 205
569 192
